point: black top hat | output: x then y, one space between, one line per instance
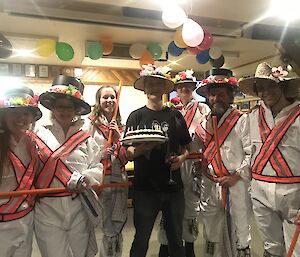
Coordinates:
20 97
217 77
68 87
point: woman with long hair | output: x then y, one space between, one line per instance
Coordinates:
114 200
18 166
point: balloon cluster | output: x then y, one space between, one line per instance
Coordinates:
190 36
146 54
65 52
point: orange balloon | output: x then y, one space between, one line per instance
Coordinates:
107 44
178 40
146 58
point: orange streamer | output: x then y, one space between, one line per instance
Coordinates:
294 241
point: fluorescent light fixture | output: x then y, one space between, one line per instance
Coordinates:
24 53
287 10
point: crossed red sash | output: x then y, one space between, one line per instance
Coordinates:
190 114
270 152
119 152
25 178
53 165
209 155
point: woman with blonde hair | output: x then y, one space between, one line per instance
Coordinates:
114 199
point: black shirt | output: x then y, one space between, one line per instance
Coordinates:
151 171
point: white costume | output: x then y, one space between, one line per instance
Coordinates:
16 233
61 224
193 113
235 154
114 200
276 188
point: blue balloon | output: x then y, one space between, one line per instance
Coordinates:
174 50
203 57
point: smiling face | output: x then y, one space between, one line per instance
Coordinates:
108 100
219 99
269 91
18 120
64 111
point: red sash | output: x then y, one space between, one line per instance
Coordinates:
53 165
25 178
209 155
270 152
119 151
190 114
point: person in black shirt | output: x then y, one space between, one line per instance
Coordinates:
157 182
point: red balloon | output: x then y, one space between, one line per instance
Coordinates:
207 41
194 50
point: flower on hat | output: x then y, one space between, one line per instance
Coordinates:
278 73
185 75
217 80
21 101
68 90
151 69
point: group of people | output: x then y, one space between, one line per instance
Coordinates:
67 152
216 163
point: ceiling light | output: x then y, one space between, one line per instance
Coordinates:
23 53
287 10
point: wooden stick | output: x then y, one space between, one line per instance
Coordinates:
109 143
219 158
57 190
294 241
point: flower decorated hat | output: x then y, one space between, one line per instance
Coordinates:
185 77
151 71
20 97
265 72
68 87
217 78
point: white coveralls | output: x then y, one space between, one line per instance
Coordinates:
235 154
16 235
114 201
61 224
190 182
276 204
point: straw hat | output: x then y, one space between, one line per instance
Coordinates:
276 74
217 77
20 97
185 77
69 87
151 71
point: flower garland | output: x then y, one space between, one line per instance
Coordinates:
185 75
217 80
19 101
150 70
68 90
175 103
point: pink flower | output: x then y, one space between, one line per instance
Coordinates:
232 81
175 100
279 72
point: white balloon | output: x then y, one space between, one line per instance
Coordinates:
192 33
136 50
173 16
215 53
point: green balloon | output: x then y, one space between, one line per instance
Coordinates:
155 49
94 50
64 51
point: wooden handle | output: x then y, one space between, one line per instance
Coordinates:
294 241
57 190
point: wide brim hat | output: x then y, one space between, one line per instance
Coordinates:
185 77
66 87
265 72
20 97
153 72
217 78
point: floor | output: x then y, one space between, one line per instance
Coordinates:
256 244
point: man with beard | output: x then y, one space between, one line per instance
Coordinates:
274 134
233 176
